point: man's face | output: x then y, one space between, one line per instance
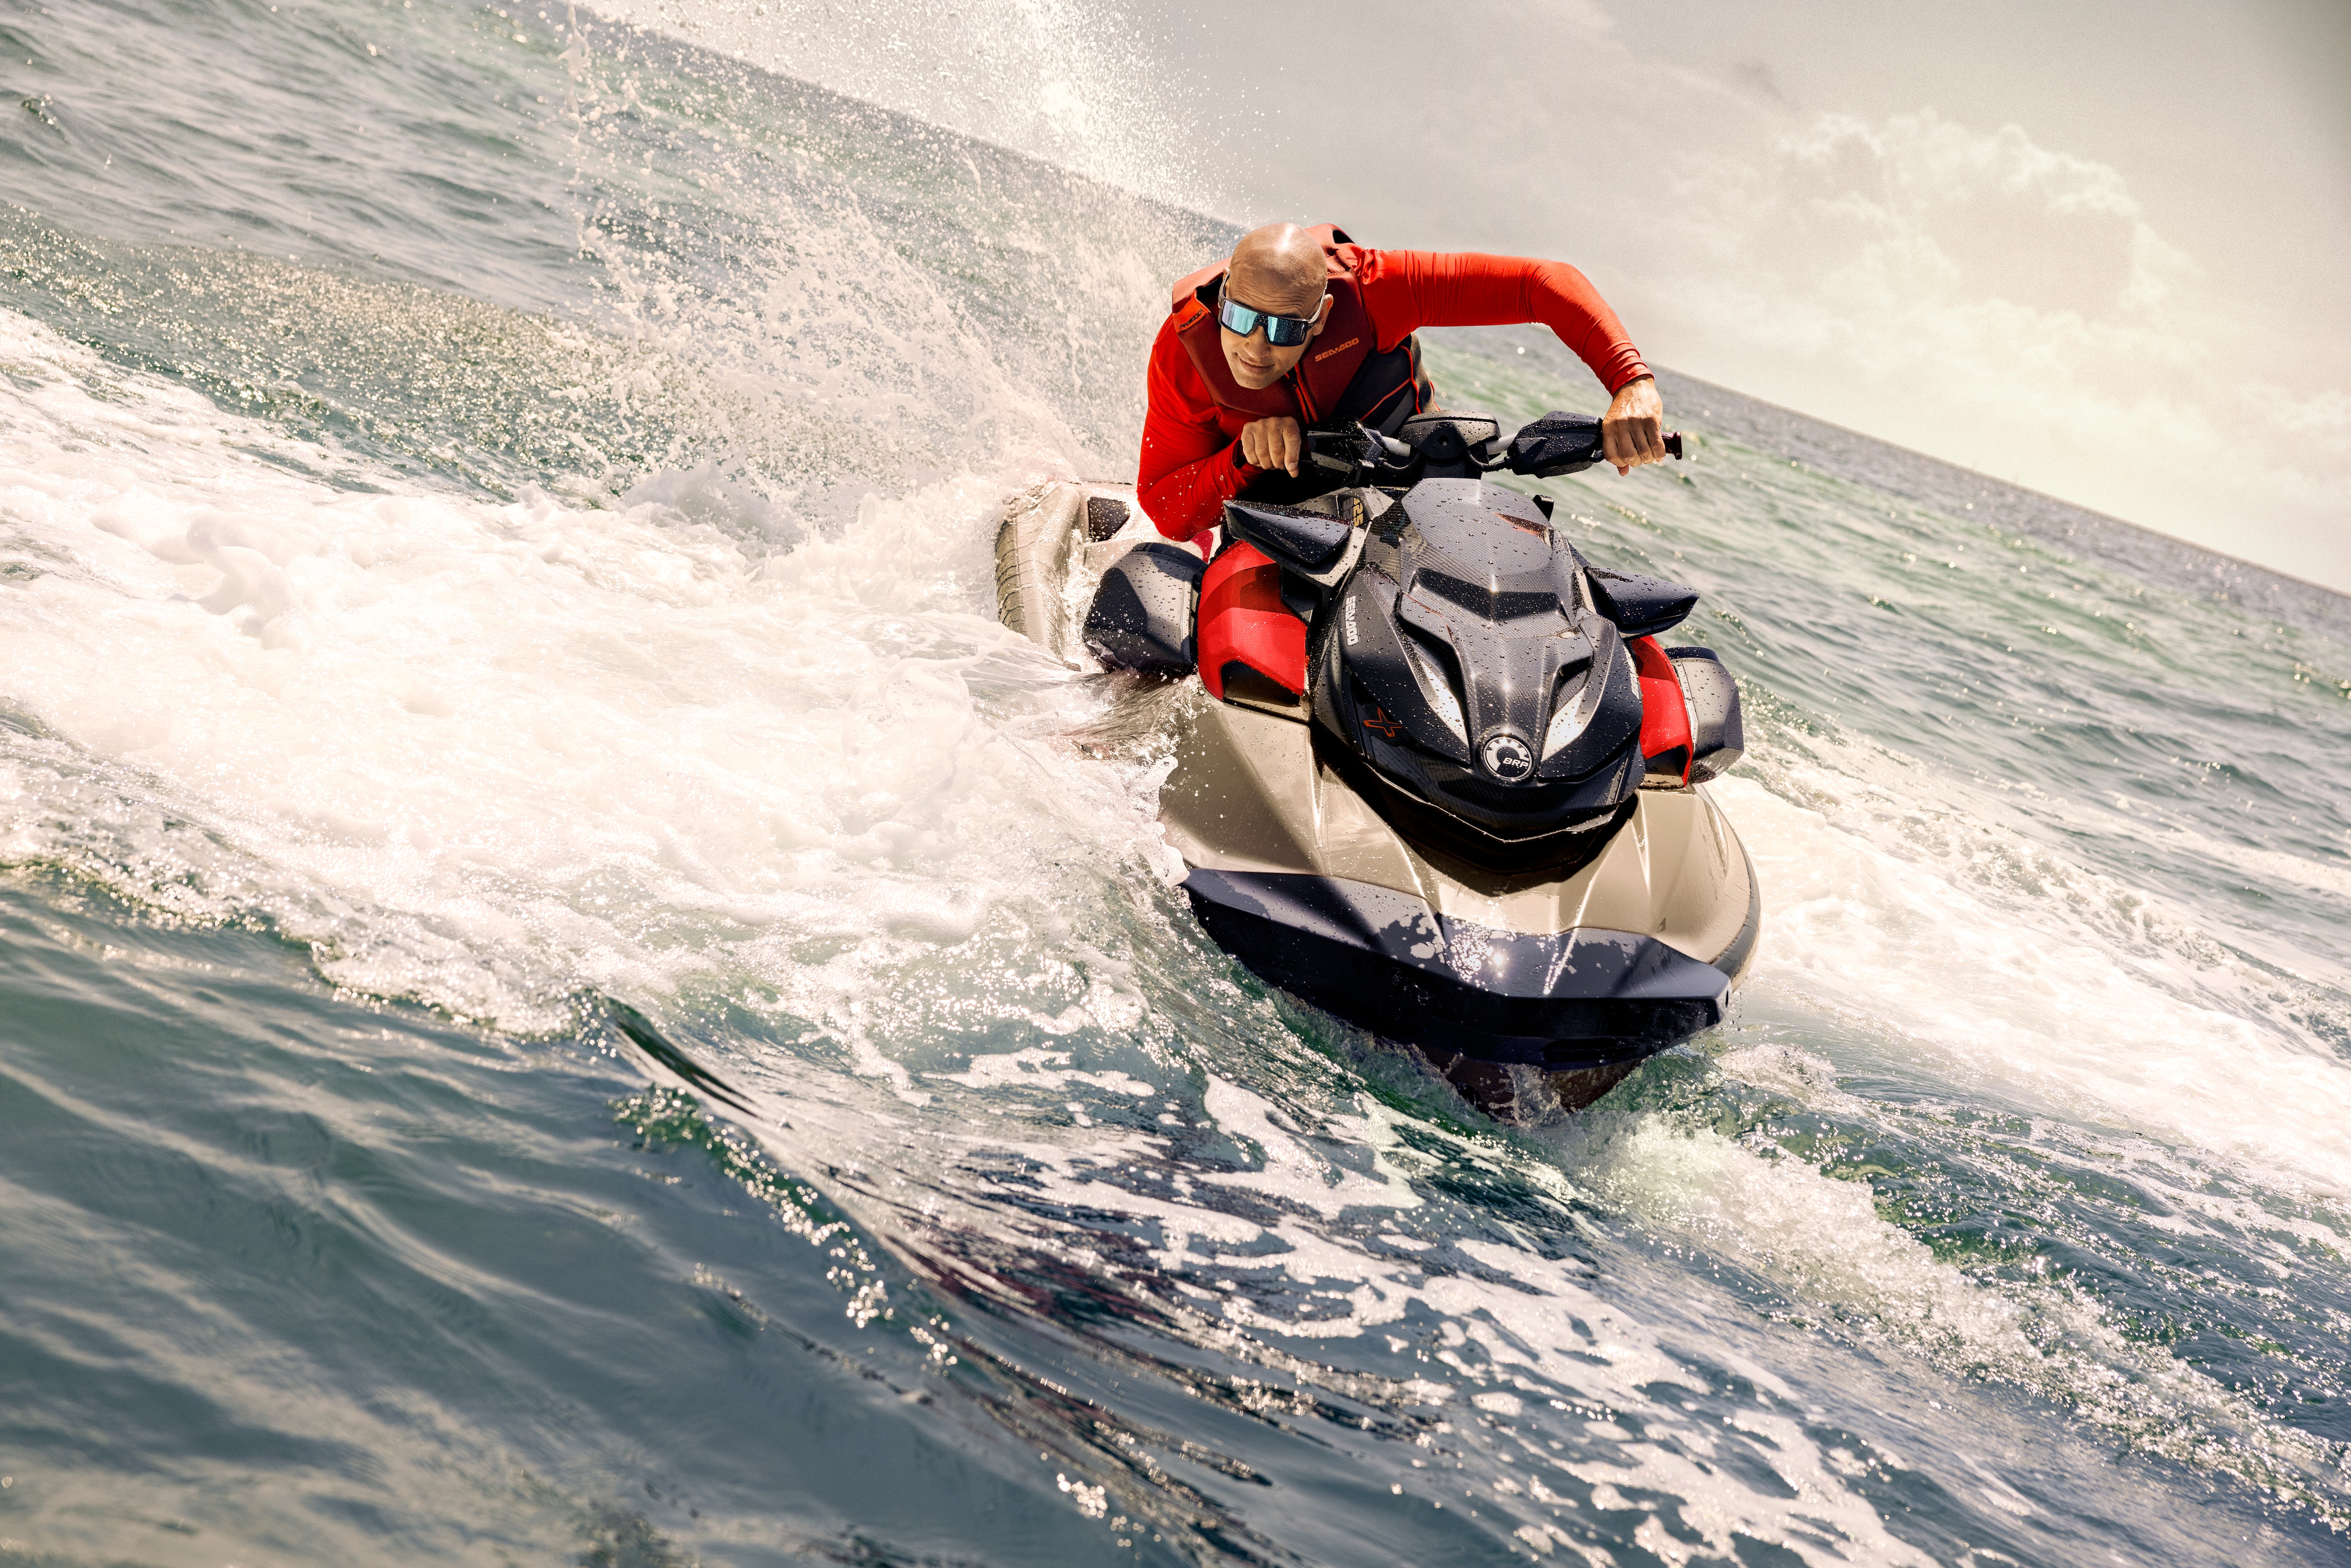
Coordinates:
1256 362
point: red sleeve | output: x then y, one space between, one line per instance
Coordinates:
1405 290
1187 471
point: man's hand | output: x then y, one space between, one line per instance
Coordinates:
1276 442
1632 431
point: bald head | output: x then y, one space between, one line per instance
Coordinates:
1279 268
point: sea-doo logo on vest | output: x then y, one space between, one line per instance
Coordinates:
1506 757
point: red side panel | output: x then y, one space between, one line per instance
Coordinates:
1665 715
1243 622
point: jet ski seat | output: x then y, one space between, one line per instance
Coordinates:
1141 617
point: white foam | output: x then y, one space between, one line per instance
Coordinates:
485 754
1529 1330
1317 1262
2027 991
1823 1241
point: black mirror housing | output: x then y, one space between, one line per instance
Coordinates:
1640 606
1311 542
1558 443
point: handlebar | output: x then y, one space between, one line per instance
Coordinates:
1555 445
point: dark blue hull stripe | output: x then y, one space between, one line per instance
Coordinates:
1386 961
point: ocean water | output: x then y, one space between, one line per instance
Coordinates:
567 996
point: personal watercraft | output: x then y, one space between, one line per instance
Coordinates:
1434 772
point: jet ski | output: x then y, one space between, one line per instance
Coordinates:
1435 771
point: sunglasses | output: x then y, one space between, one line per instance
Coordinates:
1281 331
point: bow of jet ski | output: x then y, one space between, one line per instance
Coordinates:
1537 913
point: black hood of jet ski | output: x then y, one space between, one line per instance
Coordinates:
1467 664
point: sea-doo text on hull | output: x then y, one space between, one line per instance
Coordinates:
1433 772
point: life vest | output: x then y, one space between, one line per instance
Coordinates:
1343 378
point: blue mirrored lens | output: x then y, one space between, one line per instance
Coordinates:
1286 331
1281 331
1238 319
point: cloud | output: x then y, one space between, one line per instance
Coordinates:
1934 208
1974 295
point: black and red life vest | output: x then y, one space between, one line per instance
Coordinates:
1344 376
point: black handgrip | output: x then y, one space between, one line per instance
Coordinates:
1357 451
1340 451
1559 444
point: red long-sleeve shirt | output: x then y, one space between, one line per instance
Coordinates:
1188 468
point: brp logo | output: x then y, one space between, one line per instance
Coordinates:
1506 758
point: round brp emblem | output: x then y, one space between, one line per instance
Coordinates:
1508 758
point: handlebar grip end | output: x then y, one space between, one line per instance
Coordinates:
1674 445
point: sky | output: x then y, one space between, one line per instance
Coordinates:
2100 249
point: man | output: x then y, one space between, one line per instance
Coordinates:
1302 327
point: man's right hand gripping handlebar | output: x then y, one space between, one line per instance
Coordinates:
1632 431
